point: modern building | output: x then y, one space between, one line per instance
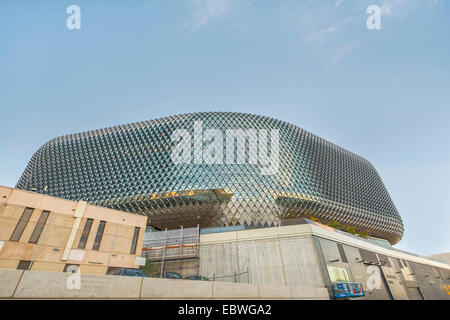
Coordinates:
216 169
254 206
41 232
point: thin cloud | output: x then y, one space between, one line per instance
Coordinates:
328 29
205 11
402 8
338 3
321 35
340 53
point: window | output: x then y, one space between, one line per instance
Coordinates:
24 265
115 271
85 234
21 224
98 237
338 274
72 268
39 227
135 239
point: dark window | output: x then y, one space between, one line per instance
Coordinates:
132 272
39 227
73 268
85 234
24 265
368 256
98 237
113 271
384 260
21 224
135 239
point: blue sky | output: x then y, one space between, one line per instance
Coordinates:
382 94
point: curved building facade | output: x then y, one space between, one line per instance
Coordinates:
216 169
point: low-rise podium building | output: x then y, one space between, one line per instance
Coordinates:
41 232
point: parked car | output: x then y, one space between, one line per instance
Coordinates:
128 272
194 277
167 274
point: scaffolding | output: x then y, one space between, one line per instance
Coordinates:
176 254
172 250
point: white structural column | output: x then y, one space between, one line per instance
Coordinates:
78 214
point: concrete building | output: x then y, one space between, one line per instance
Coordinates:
311 255
41 232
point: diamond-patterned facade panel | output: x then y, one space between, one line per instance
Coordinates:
130 168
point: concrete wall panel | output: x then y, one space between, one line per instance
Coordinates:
275 292
300 262
59 285
54 285
229 290
9 279
154 288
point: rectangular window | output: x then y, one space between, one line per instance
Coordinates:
113 271
20 227
72 268
98 237
338 274
135 239
39 227
24 265
85 234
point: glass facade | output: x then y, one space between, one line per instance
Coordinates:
130 168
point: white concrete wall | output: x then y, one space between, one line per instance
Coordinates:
17 284
274 256
9 279
54 285
296 255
